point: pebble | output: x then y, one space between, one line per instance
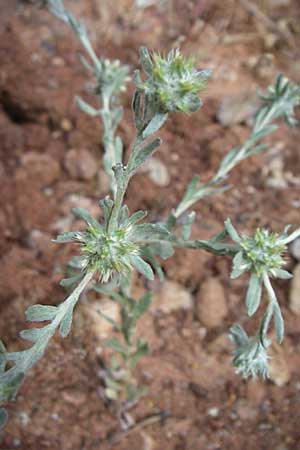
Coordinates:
66 125
294 294
171 297
80 164
157 172
279 371
238 108
101 327
211 303
42 168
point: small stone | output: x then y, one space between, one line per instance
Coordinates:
213 412
100 326
211 303
294 249
157 172
66 125
41 168
294 296
279 371
238 108
171 297
80 164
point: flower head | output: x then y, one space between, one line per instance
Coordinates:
112 253
173 83
111 77
250 356
261 253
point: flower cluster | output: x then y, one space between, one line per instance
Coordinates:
250 357
261 253
173 83
111 77
112 254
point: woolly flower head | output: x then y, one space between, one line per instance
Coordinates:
173 82
263 251
250 356
112 253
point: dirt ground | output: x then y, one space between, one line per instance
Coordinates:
48 153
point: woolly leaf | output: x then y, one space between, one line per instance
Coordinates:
143 154
85 107
87 218
66 323
279 323
253 294
70 236
40 313
154 125
142 267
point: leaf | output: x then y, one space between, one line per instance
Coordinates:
238 335
115 324
239 265
143 349
147 254
35 334
187 225
279 323
149 232
77 262
117 116
87 218
231 231
136 217
40 313
137 109
142 267
9 385
144 153
66 323
143 305
282 274
146 61
116 345
118 150
67 282
3 418
70 236
163 249
85 107
154 125
253 294
106 205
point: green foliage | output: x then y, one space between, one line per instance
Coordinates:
112 248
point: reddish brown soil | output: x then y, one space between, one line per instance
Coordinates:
188 374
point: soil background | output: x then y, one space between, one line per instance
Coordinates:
51 161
